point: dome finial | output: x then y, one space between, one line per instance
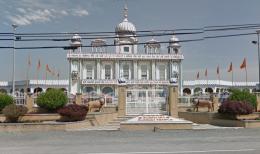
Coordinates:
125 10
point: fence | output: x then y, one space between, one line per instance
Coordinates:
109 100
142 101
188 100
20 98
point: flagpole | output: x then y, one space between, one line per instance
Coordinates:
246 76
27 80
232 77
58 75
46 75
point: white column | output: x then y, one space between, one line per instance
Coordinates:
98 70
116 70
180 79
192 91
78 79
153 71
98 89
69 90
135 70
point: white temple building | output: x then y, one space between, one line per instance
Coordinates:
101 71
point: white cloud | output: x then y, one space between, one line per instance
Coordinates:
37 11
80 12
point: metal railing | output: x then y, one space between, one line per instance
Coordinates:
188 100
20 98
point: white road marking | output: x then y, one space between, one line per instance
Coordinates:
173 152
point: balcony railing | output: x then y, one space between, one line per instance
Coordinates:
124 56
132 82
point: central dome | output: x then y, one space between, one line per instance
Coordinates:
125 26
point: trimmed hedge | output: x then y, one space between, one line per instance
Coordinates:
235 108
73 112
243 96
5 100
12 112
52 100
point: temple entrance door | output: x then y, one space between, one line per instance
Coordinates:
146 101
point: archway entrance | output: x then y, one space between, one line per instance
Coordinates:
186 91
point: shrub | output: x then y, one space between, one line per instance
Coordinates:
5 100
52 100
235 108
244 96
73 112
12 112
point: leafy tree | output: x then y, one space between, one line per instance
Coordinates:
243 96
52 100
5 100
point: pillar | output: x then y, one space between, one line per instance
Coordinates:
29 103
98 70
78 99
153 71
215 103
116 70
135 70
121 100
173 101
257 101
180 79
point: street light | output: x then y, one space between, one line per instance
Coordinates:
258 50
13 76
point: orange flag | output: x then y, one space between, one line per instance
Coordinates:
206 72
29 60
218 70
243 65
39 65
230 67
48 69
198 75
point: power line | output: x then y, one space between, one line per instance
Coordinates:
139 43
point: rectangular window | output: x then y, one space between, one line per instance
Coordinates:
107 72
126 72
144 72
126 49
89 72
162 72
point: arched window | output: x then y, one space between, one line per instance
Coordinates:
187 91
107 90
88 89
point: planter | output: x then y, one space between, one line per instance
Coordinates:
238 117
247 117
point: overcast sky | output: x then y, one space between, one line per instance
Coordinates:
103 15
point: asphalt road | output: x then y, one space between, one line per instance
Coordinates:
221 141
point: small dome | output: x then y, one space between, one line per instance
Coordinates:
125 27
76 40
174 39
152 44
98 43
152 41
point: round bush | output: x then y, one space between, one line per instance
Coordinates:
5 100
73 112
235 108
12 112
52 100
244 96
